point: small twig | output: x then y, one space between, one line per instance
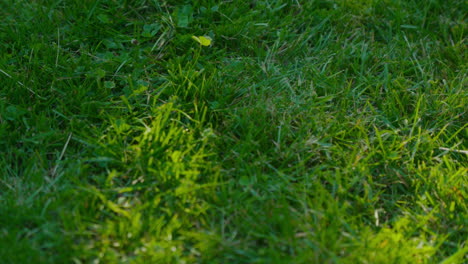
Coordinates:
455 150
54 170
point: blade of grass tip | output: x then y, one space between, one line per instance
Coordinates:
456 133
20 83
8 75
92 10
58 48
415 61
54 170
416 116
7 185
120 67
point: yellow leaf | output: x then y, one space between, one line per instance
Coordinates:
203 40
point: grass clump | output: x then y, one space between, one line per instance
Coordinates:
304 132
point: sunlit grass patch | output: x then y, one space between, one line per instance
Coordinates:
158 170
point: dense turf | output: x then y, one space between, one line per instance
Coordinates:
308 132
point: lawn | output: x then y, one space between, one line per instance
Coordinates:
207 131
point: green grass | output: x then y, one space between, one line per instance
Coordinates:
308 132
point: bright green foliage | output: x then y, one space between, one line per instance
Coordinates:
287 132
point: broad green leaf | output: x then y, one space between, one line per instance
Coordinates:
150 30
